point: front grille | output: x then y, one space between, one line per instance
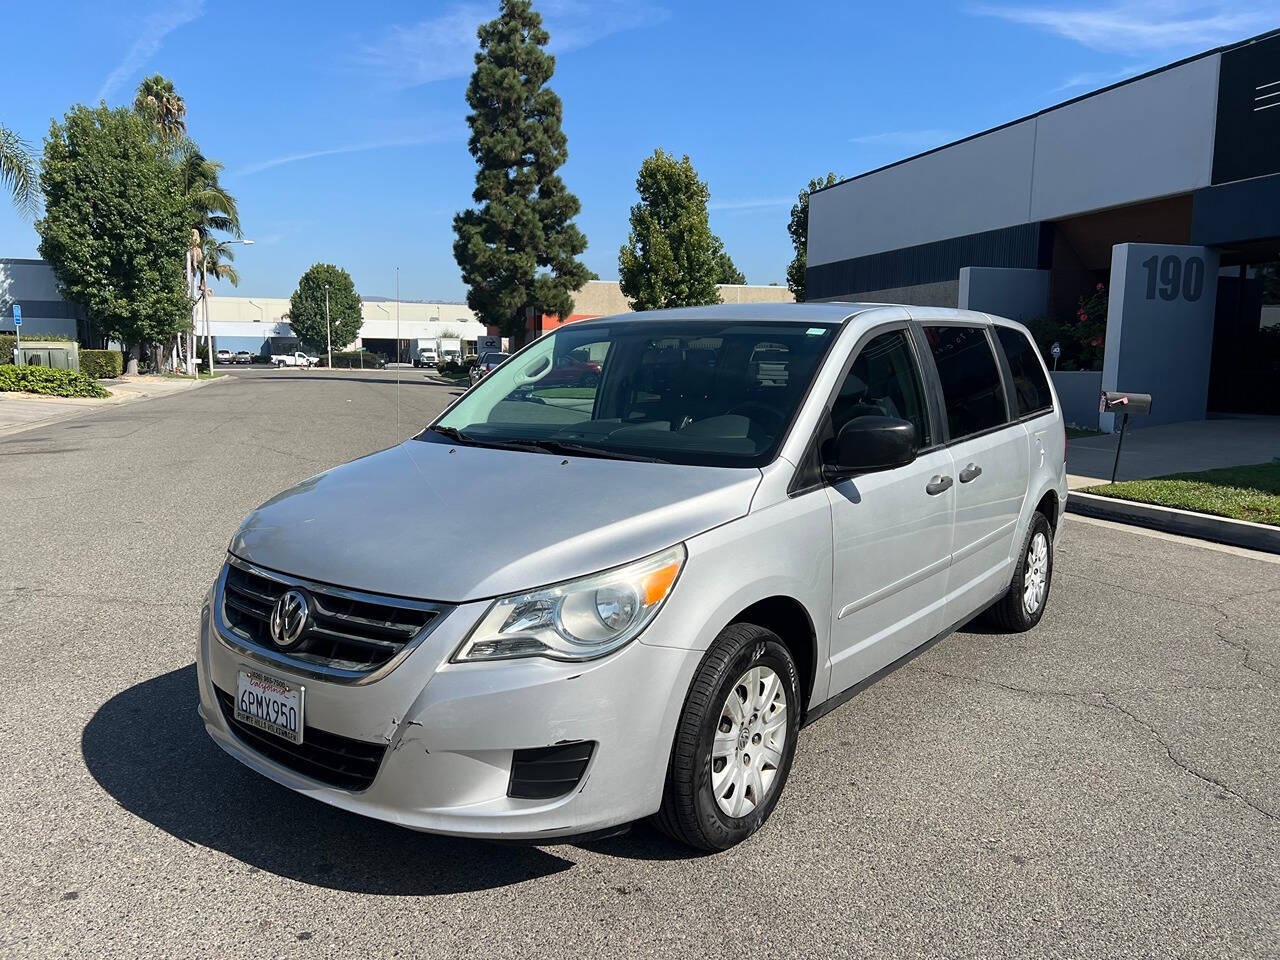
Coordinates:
338 761
347 630
547 772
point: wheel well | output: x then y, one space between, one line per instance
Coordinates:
788 618
1048 505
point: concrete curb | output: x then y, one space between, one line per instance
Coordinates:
1236 533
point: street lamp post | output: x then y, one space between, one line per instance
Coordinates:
208 335
328 330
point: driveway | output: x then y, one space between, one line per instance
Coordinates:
1105 785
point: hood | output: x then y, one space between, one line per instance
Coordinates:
438 522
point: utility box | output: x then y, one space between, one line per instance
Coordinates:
56 354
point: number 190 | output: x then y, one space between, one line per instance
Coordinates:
1167 274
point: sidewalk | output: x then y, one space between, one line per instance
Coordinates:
23 411
1173 448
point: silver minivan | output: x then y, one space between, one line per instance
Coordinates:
670 540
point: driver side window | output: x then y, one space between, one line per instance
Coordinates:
884 381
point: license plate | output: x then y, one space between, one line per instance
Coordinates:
269 704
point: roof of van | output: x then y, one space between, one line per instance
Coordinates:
825 312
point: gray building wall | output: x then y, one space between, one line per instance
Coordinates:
921 295
1139 141
31 284
1148 138
1020 295
975 185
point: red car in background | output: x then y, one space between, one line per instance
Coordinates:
571 371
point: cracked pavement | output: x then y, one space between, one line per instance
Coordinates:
1105 785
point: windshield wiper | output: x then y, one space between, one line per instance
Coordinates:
579 449
453 433
542 446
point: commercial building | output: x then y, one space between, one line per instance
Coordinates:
31 283
246 323
1164 188
604 298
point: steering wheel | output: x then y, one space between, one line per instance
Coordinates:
758 412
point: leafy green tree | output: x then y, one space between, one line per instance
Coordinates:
159 102
518 247
115 228
306 307
798 229
17 170
671 258
726 270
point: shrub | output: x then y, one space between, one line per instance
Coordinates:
101 364
48 381
7 342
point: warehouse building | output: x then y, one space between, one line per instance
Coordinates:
1164 188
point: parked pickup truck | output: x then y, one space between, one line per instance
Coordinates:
298 359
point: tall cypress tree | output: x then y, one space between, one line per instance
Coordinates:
518 248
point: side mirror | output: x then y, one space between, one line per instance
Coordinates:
870 443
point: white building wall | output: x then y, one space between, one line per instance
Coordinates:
261 317
1152 137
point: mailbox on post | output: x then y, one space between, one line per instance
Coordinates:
1114 401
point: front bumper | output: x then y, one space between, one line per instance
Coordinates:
450 731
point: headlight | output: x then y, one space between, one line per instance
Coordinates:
578 620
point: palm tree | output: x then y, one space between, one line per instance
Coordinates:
213 210
18 170
158 99
215 264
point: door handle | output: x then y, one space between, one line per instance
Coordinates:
971 472
938 485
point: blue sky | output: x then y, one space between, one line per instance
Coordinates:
343 132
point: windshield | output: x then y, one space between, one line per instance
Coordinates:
719 393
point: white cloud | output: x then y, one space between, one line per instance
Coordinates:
444 46
1130 26
1093 79
154 29
261 165
907 138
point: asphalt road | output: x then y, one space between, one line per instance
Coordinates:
1106 785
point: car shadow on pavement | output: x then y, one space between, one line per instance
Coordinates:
148 749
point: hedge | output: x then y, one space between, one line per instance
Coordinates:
49 381
347 359
101 364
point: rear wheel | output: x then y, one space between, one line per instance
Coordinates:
1023 605
735 740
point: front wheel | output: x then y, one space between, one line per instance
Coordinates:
734 742
1022 606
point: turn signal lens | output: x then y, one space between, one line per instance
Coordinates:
579 620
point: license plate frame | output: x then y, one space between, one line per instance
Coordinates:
263 702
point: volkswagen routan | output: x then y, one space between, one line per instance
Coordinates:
615 578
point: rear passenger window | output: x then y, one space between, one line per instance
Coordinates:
970 378
1029 382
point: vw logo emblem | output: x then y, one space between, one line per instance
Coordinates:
289 618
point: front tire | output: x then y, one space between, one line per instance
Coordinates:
1023 605
735 740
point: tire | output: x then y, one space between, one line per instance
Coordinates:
1010 613
691 811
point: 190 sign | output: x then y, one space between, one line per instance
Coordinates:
1169 277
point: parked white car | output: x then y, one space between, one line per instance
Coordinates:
298 359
